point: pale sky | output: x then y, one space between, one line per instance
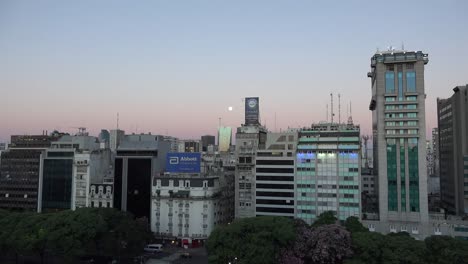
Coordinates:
176 66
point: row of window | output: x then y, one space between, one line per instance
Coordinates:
401 131
401 115
407 98
401 107
401 123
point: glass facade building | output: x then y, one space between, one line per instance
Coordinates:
57 179
328 171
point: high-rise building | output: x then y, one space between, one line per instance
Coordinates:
206 141
453 150
138 159
19 171
274 175
248 139
399 133
224 138
328 171
64 176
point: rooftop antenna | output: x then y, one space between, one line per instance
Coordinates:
219 118
331 108
339 108
350 118
402 45
117 120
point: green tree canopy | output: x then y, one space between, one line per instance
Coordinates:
353 225
325 218
250 240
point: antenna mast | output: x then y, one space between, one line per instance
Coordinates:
350 118
331 108
339 109
117 120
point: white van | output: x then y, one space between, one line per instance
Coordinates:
153 248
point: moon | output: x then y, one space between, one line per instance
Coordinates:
230 108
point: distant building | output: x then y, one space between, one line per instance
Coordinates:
116 136
138 158
93 168
19 171
224 138
452 116
206 141
191 146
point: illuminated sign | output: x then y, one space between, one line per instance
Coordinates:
182 162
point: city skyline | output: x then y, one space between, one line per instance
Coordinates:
171 68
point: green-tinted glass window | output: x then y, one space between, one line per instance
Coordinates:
413 169
411 98
392 175
390 82
389 99
411 81
400 86
402 175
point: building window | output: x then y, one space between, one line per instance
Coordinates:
400 86
411 98
411 81
390 82
389 99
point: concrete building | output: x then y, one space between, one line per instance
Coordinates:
452 116
138 158
185 207
64 177
19 171
328 171
224 138
90 170
206 141
399 133
274 175
248 139
116 136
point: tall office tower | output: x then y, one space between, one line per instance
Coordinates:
249 137
399 132
452 115
274 175
224 138
138 159
328 171
206 141
19 171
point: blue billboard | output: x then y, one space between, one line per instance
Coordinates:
252 111
182 162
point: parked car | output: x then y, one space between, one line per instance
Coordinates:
153 248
